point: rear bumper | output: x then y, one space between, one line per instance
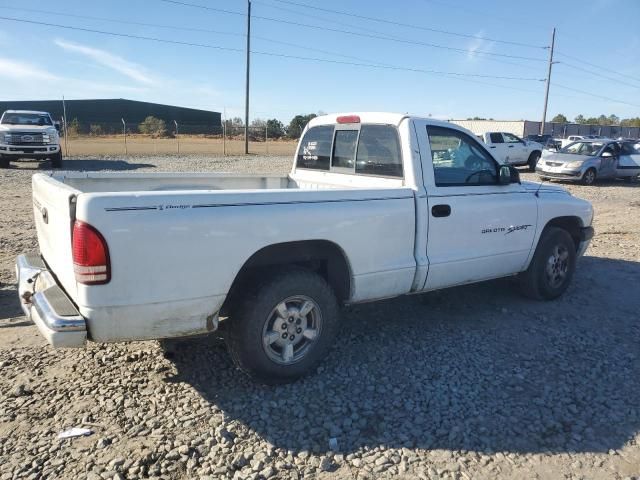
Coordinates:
47 305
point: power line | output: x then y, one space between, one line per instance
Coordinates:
270 54
596 66
409 25
188 29
359 34
591 94
597 74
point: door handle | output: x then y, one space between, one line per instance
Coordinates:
441 210
493 146
510 146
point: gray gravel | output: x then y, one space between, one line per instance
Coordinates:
472 382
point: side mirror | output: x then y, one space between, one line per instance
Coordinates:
57 125
607 154
504 177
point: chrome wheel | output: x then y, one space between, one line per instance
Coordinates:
557 266
291 329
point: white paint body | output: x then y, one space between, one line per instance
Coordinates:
177 241
510 149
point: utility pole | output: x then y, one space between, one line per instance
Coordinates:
177 137
546 93
124 135
246 97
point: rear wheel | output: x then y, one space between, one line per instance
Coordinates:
552 266
283 327
533 161
4 161
589 177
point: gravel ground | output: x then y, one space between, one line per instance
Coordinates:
471 382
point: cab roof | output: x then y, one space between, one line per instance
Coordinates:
34 112
373 117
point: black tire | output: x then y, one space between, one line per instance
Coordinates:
589 177
533 160
537 282
56 160
251 318
4 161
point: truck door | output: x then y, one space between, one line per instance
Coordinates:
478 229
516 148
497 147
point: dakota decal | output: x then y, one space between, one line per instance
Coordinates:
505 230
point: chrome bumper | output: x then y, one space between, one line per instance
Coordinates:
47 305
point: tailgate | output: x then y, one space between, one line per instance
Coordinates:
54 212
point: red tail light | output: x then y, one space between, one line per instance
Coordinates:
349 119
90 255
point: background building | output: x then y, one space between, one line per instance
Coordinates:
522 128
108 113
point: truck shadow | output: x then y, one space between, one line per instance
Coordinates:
474 368
9 303
84 164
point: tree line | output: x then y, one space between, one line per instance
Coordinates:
274 127
601 120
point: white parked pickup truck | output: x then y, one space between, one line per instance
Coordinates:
29 134
512 150
377 205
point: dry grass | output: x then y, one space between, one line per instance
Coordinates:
145 145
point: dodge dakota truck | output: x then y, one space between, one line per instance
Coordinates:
512 150
377 205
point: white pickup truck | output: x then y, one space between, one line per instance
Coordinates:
377 205
29 134
512 150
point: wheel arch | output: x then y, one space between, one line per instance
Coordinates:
321 256
572 224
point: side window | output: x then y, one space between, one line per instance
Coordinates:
508 138
496 138
459 160
379 151
344 148
315 148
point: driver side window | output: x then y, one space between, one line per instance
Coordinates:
459 160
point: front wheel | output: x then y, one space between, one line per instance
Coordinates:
56 160
4 161
284 326
533 161
589 177
552 266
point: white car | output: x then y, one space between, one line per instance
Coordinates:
510 149
29 134
377 205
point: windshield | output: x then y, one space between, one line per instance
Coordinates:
583 148
40 119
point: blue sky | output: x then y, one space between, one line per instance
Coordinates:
43 62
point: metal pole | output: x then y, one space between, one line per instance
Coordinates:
546 93
266 137
177 138
124 133
246 98
64 116
224 133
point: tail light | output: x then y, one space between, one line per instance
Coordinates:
90 255
348 119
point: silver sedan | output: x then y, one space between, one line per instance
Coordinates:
586 161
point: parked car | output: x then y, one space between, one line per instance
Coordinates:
29 134
588 160
546 140
509 149
377 205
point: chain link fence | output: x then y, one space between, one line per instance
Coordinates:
156 137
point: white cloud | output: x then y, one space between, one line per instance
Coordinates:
17 70
478 44
114 62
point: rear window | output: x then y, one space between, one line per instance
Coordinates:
496 138
379 151
368 150
315 148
